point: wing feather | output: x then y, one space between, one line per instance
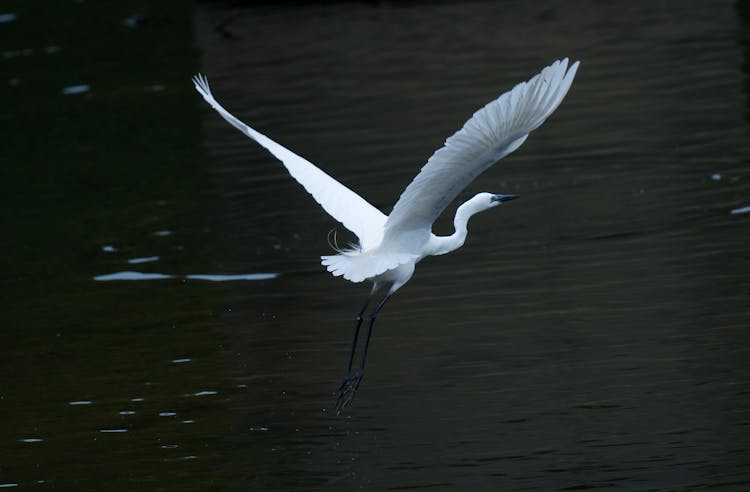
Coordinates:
490 134
341 203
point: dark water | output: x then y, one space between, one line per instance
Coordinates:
592 335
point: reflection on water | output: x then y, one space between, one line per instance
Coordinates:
146 259
593 335
160 276
131 276
230 278
7 18
76 89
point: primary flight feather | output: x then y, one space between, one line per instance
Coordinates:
390 246
340 202
490 134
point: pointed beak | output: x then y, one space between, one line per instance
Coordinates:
504 198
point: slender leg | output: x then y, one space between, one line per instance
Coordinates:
369 331
354 338
351 382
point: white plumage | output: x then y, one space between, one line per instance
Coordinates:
340 202
390 246
490 134
385 242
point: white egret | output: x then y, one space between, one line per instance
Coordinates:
391 245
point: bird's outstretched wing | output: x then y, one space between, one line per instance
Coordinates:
340 202
490 134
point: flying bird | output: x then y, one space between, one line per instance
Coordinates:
390 246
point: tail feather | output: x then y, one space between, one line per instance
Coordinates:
357 266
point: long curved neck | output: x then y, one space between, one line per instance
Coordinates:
446 244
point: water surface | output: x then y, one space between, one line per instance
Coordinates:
591 335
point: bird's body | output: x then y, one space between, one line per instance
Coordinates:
390 263
390 246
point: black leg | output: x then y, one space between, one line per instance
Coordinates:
351 382
369 331
354 338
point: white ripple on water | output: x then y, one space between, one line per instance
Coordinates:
130 275
76 89
183 458
144 259
230 278
741 210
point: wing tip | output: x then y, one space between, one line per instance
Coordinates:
572 69
568 70
201 85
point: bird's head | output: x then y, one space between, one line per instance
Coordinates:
484 201
478 203
497 199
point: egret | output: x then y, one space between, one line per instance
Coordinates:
390 246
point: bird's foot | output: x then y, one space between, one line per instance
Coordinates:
348 389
